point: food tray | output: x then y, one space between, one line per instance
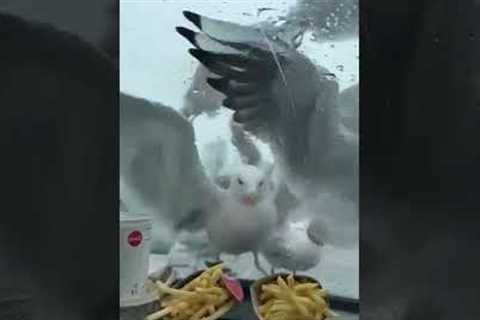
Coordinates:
347 308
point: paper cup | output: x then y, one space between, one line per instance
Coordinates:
135 237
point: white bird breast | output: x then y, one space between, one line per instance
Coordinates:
235 228
290 248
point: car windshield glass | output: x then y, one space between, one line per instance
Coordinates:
259 166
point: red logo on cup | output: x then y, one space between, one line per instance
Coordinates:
135 238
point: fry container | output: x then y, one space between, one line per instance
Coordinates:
179 283
256 288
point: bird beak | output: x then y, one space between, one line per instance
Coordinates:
249 200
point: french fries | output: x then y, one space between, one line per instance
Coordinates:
203 298
289 299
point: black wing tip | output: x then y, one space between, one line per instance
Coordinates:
217 84
187 34
202 56
184 31
197 53
214 81
227 103
193 17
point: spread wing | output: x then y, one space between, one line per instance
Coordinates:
274 90
247 70
160 169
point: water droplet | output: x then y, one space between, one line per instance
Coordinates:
332 45
331 77
340 67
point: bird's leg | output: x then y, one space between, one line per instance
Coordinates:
169 258
257 264
272 270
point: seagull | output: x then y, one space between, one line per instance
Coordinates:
280 96
244 214
292 246
161 175
200 97
327 20
277 94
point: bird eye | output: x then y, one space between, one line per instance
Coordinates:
240 181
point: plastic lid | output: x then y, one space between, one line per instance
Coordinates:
127 216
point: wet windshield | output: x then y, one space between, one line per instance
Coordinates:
274 189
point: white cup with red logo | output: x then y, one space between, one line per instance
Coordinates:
135 237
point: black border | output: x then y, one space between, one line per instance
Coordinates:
59 163
419 155
419 159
